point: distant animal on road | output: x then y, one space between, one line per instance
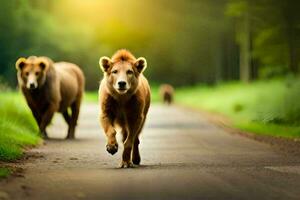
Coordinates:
166 92
51 87
124 97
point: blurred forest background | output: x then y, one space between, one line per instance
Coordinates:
186 42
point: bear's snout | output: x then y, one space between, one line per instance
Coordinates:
122 85
31 86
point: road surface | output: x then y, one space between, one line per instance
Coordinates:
183 157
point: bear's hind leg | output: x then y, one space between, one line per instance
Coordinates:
46 119
75 107
136 157
67 117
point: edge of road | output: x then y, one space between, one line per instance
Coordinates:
286 145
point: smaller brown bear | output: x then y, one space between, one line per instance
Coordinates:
51 87
124 97
166 92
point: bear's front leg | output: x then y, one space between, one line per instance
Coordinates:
126 156
134 124
35 112
110 132
46 118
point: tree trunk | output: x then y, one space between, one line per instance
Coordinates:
293 57
253 62
245 50
290 10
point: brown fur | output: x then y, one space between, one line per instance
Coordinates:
59 86
126 110
167 93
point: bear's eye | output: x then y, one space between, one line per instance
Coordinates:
115 72
37 73
129 72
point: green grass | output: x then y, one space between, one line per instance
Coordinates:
155 93
270 129
17 126
91 96
264 107
4 172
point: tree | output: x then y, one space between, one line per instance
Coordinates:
290 11
270 31
241 11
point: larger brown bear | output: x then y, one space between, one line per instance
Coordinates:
51 87
124 96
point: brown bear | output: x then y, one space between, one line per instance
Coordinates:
167 93
51 87
124 97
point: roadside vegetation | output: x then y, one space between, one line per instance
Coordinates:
4 172
269 107
18 129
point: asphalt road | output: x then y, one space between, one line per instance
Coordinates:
183 157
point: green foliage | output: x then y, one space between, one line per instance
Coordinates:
4 85
236 8
193 41
187 40
91 96
273 33
155 93
266 107
17 126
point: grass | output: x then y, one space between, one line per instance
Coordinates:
91 96
17 126
265 107
270 129
4 172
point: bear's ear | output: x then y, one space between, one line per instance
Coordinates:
140 64
21 62
44 64
105 63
